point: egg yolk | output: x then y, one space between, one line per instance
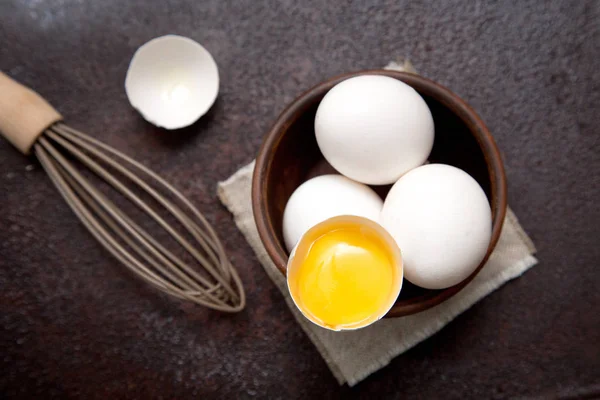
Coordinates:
343 278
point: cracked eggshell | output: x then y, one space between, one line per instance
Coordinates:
172 81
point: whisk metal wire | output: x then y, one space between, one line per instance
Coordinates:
217 285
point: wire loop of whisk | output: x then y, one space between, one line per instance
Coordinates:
215 285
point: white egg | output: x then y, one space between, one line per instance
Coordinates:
442 222
374 128
325 197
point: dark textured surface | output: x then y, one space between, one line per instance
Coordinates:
74 324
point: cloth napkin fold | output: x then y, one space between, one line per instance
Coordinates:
354 355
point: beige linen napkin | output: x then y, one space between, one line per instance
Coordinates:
354 355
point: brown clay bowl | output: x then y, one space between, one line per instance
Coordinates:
289 156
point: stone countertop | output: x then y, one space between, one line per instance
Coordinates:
75 324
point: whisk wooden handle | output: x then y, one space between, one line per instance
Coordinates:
24 114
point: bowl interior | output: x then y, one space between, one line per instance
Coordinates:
295 157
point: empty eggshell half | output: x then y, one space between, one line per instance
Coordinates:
172 81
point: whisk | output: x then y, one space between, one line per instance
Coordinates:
33 125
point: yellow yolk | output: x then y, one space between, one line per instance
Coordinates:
344 276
